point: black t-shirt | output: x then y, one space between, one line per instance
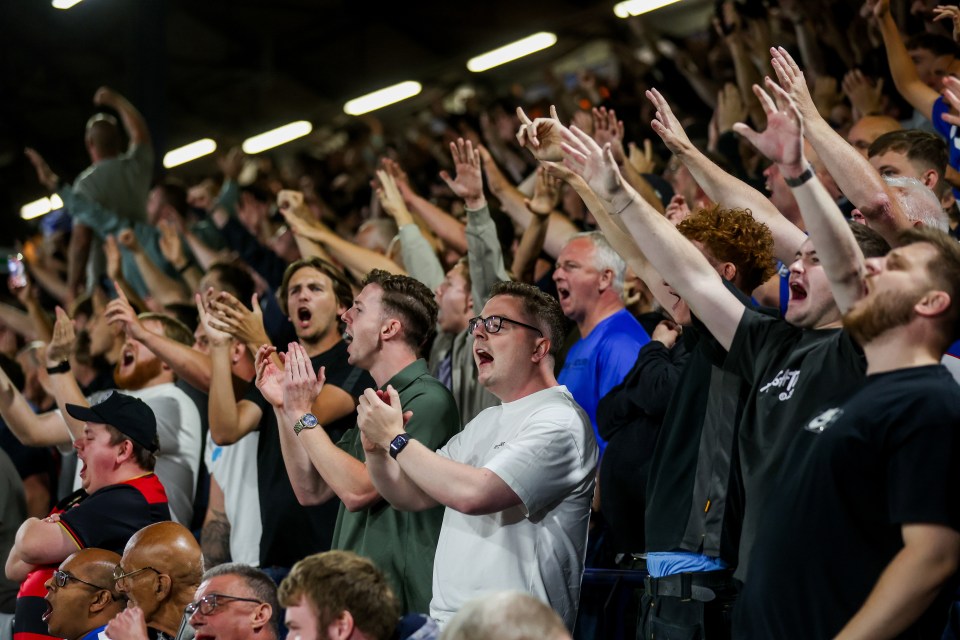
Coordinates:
794 374
629 419
290 530
855 473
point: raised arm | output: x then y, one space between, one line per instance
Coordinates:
229 420
722 187
836 247
43 430
904 72
669 252
546 195
162 287
854 174
65 388
132 119
419 258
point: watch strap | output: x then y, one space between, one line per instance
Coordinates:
398 444
63 367
800 179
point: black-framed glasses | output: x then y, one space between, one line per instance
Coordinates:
493 324
119 575
208 603
61 578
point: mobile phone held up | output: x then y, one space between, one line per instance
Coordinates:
17 271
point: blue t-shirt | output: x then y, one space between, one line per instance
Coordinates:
599 362
948 131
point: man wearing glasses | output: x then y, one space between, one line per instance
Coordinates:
120 495
159 573
235 602
81 598
517 482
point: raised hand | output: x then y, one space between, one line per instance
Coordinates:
496 180
596 166
121 313
667 126
300 386
608 130
782 140
949 12
952 95
106 97
171 245
230 316
730 108
290 201
231 164
64 340
45 174
792 81
214 335
112 252
468 184
399 176
546 194
642 161
391 200
541 136
864 95
269 375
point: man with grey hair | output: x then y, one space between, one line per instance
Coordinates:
918 202
235 602
589 279
506 615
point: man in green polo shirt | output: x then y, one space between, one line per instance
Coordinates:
387 328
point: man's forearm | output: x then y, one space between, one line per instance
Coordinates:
308 484
162 287
222 410
447 228
346 476
731 192
904 72
905 589
394 485
77 254
33 430
857 179
186 362
67 391
133 121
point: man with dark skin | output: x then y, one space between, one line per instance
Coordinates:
160 570
81 597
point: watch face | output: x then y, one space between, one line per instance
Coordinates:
309 420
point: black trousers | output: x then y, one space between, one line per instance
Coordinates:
670 618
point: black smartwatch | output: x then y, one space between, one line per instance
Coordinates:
398 443
800 179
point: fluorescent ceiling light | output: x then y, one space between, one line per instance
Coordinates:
65 4
636 7
512 51
189 152
40 207
382 98
277 137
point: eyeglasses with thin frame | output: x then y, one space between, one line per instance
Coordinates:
61 577
119 575
493 324
208 603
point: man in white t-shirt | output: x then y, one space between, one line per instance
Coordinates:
517 482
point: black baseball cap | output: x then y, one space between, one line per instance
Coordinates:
128 415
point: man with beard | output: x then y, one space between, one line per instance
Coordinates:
861 533
312 294
140 374
81 596
120 494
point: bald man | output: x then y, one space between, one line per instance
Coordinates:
159 573
81 598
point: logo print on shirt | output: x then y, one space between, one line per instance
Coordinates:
824 420
502 444
786 378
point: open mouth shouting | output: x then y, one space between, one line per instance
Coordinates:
482 357
303 317
46 614
797 291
